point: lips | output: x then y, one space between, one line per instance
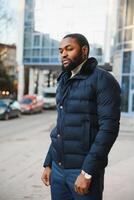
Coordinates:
65 62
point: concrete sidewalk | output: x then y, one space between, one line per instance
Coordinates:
21 158
127 126
119 178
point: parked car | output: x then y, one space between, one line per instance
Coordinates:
31 104
9 108
49 99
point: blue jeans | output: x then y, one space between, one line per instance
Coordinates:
62 184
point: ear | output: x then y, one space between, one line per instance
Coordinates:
85 51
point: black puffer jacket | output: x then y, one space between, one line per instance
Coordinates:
88 106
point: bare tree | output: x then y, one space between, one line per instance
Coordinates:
7 20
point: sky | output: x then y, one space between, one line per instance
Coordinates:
59 17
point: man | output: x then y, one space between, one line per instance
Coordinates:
88 105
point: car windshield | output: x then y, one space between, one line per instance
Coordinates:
2 104
26 101
49 95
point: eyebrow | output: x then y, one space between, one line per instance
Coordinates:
60 48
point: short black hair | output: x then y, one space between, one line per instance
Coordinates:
81 39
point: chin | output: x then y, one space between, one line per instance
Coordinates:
65 66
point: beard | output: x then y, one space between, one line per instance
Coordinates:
73 63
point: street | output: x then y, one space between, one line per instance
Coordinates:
23 145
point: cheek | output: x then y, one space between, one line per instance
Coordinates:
74 55
78 57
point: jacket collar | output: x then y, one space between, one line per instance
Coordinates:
89 66
87 69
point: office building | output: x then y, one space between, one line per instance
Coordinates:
123 54
38 57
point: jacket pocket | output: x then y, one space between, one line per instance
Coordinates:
87 135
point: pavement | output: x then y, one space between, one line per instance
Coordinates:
119 177
23 146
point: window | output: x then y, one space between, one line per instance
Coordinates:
99 51
27 40
125 93
54 60
35 60
132 84
28 23
99 59
133 103
126 62
119 36
132 62
36 53
45 41
27 60
29 3
129 12
55 43
28 30
119 46
45 52
28 15
36 40
45 60
128 46
128 35
54 52
27 52
121 11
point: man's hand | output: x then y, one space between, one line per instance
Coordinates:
46 176
82 185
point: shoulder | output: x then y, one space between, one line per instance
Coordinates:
105 75
104 79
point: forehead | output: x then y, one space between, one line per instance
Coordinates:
69 42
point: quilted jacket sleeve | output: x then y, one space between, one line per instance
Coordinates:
48 159
108 111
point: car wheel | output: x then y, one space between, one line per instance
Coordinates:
6 117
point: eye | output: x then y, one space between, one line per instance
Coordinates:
69 48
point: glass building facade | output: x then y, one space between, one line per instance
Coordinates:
124 53
39 48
